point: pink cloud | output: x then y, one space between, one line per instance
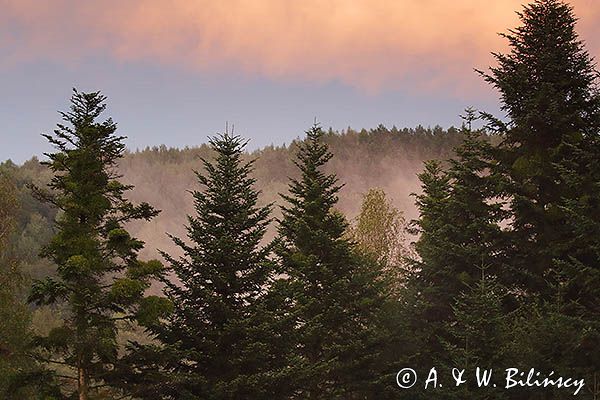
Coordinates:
369 44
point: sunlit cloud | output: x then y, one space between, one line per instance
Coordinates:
372 45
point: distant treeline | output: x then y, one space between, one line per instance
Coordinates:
378 158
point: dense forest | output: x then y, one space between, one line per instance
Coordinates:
375 264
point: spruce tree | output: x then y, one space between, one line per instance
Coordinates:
100 279
426 283
549 90
459 231
335 294
222 340
478 338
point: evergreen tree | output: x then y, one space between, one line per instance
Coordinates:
548 86
100 279
459 232
335 294
543 336
222 340
427 303
478 338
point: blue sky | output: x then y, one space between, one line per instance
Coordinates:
155 106
176 72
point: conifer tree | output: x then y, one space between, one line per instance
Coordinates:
549 90
335 294
478 338
222 340
100 279
429 300
459 232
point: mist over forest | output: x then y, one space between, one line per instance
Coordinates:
389 159
385 158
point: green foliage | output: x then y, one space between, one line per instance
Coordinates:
523 207
388 158
458 225
222 340
549 88
14 316
34 221
126 291
479 337
7 210
335 294
459 234
380 230
541 185
152 309
91 248
15 329
143 269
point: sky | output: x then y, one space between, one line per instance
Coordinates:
178 71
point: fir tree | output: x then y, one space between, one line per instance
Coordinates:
478 337
335 294
100 279
222 340
459 231
548 86
428 301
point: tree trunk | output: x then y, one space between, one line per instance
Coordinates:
82 384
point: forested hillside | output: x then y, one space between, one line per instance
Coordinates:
384 158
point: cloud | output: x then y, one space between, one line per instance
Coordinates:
369 44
